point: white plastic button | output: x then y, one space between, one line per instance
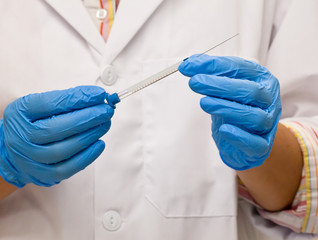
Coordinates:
101 14
109 75
112 220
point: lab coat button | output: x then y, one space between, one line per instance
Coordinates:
109 75
101 14
112 220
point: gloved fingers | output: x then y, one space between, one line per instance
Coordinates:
238 90
253 146
249 118
217 121
233 67
43 105
62 150
65 169
62 126
233 159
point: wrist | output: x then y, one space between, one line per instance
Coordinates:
274 184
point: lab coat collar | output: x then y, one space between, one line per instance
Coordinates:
75 14
130 17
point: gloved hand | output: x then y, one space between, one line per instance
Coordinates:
244 101
48 137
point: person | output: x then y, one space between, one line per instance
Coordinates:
161 175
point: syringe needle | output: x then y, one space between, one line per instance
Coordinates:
115 98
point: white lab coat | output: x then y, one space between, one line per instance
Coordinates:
160 170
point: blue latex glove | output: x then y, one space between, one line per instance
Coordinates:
48 137
244 101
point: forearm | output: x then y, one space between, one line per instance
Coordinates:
6 188
274 184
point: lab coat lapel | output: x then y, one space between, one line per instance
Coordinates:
75 14
130 17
